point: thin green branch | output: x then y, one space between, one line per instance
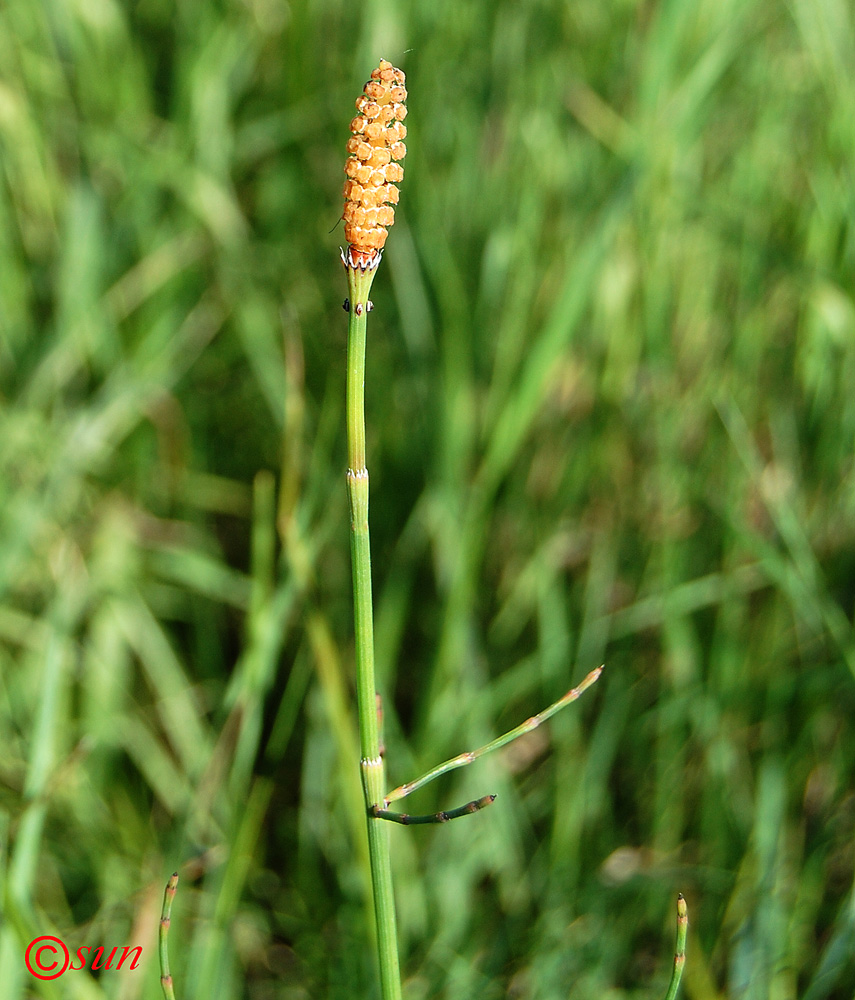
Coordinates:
467 758
165 918
680 950
405 819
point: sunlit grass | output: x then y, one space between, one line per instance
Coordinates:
610 419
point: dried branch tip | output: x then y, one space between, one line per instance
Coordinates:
376 146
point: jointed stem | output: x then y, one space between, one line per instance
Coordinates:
359 281
467 758
680 950
165 918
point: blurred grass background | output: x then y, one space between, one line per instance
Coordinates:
611 419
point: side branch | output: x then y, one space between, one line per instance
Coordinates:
467 758
405 819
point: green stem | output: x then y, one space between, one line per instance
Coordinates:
165 918
680 950
359 282
461 760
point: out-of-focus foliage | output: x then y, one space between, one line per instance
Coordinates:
611 418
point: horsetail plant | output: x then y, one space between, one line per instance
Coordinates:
373 168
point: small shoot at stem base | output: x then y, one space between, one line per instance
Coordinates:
165 918
680 950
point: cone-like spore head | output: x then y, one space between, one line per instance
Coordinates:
373 168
